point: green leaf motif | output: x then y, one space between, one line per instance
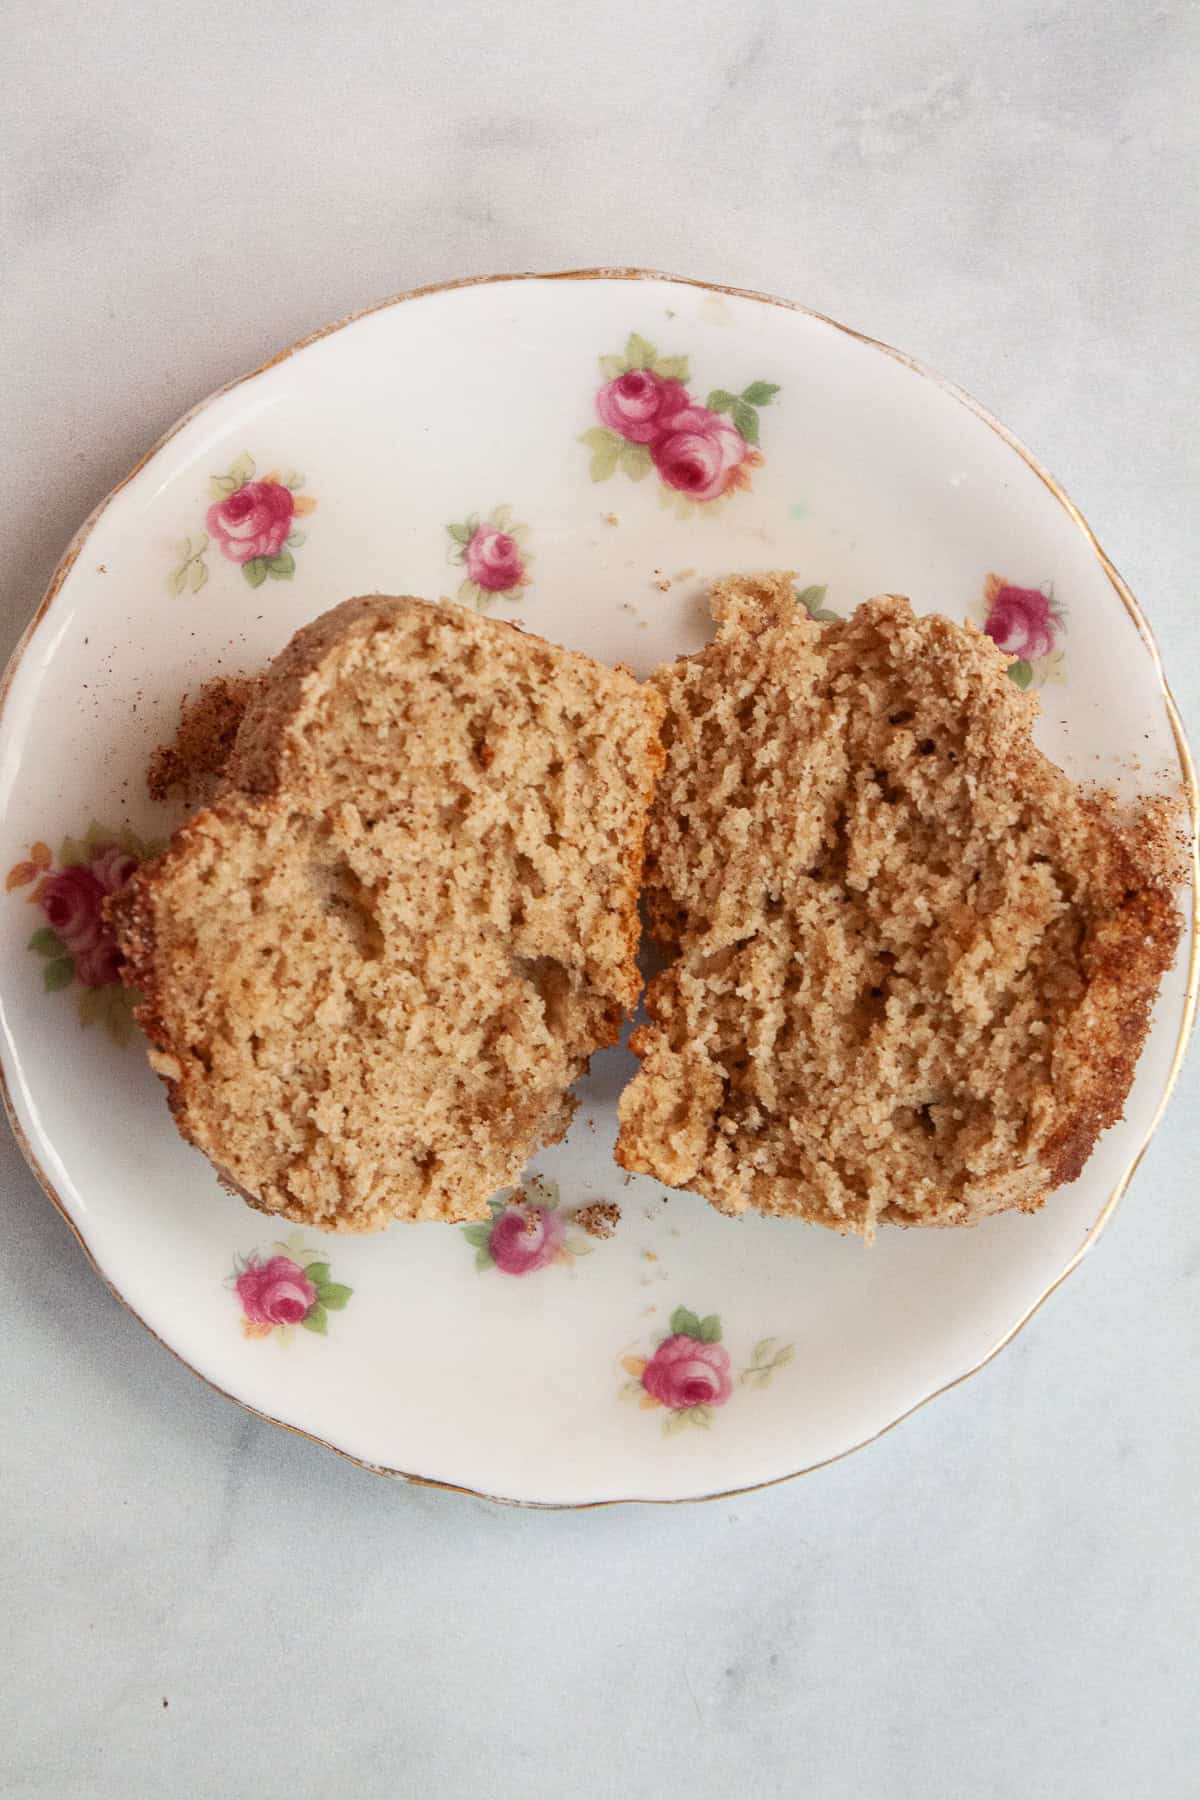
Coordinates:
459 533
292 480
639 353
221 486
720 400
769 1355
477 1234
103 837
46 942
317 1272
483 1258
636 461
296 538
760 393
676 1421
710 1329
811 597
111 1006
255 571
192 570
501 517
701 1416
282 567
59 974
745 420
612 366
603 463
118 1012
241 471
469 594
73 850
684 1323
93 1006
1020 672
600 438
672 368
822 615
315 1319
333 1295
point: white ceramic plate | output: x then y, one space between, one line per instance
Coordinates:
640 435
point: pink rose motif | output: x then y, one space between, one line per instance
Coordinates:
525 1238
640 405
494 559
684 1371
113 867
701 454
71 901
100 965
253 521
1019 620
277 1292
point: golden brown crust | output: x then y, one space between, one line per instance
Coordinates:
1132 941
371 968
913 963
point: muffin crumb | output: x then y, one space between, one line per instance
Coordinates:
600 1219
190 767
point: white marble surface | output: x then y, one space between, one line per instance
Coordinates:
997 1600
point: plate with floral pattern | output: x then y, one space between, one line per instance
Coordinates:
585 455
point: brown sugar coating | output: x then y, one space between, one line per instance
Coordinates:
913 963
193 764
373 967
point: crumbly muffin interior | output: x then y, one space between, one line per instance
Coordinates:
913 962
374 967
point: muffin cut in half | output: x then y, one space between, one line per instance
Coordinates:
373 966
911 962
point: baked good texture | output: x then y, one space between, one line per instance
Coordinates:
373 966
912 963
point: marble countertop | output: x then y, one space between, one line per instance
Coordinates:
999 1598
